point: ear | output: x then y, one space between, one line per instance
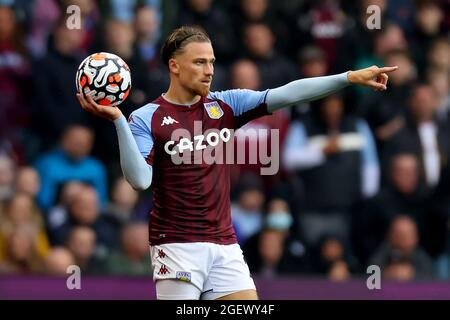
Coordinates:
174 67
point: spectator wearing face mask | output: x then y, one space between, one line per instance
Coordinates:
275 251
247 210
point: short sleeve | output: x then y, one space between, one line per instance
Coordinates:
240 100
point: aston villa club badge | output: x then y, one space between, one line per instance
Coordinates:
214 110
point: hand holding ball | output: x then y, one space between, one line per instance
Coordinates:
105 77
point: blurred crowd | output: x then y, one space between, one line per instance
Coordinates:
364 176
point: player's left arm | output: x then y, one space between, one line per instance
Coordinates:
135 169
310 89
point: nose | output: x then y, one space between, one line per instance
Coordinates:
209 69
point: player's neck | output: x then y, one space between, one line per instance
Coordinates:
178 95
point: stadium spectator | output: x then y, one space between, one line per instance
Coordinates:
134 257
421 134
18 252
44 18
57 261
402 194
27 181
123 200
389 38
384 113
118 37
333 155
334 259
401 12
216 22
70 161
263 11
439 80
438 55
59 213
400 256
84 211
14 78
275 251
20 210
54 105
7 175
247 211
147 26
89 19
311 62
428 19
358 30
82 244
275 69
124 10
321 23
245 75
120 210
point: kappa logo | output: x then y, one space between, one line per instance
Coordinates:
161 253
168 120
163 270
214 110
183 276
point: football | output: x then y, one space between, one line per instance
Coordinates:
105 77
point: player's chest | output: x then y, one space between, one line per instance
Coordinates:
187 122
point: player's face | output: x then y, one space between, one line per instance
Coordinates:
195 67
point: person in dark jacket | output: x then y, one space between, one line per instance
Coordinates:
400 257
55 104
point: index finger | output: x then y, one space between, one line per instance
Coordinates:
387 69
81 100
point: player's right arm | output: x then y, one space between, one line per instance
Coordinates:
310 89
134 167
303 90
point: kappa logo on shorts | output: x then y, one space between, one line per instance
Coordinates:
161 253
214 110
183 276
163 270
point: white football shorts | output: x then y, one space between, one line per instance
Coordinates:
215 270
